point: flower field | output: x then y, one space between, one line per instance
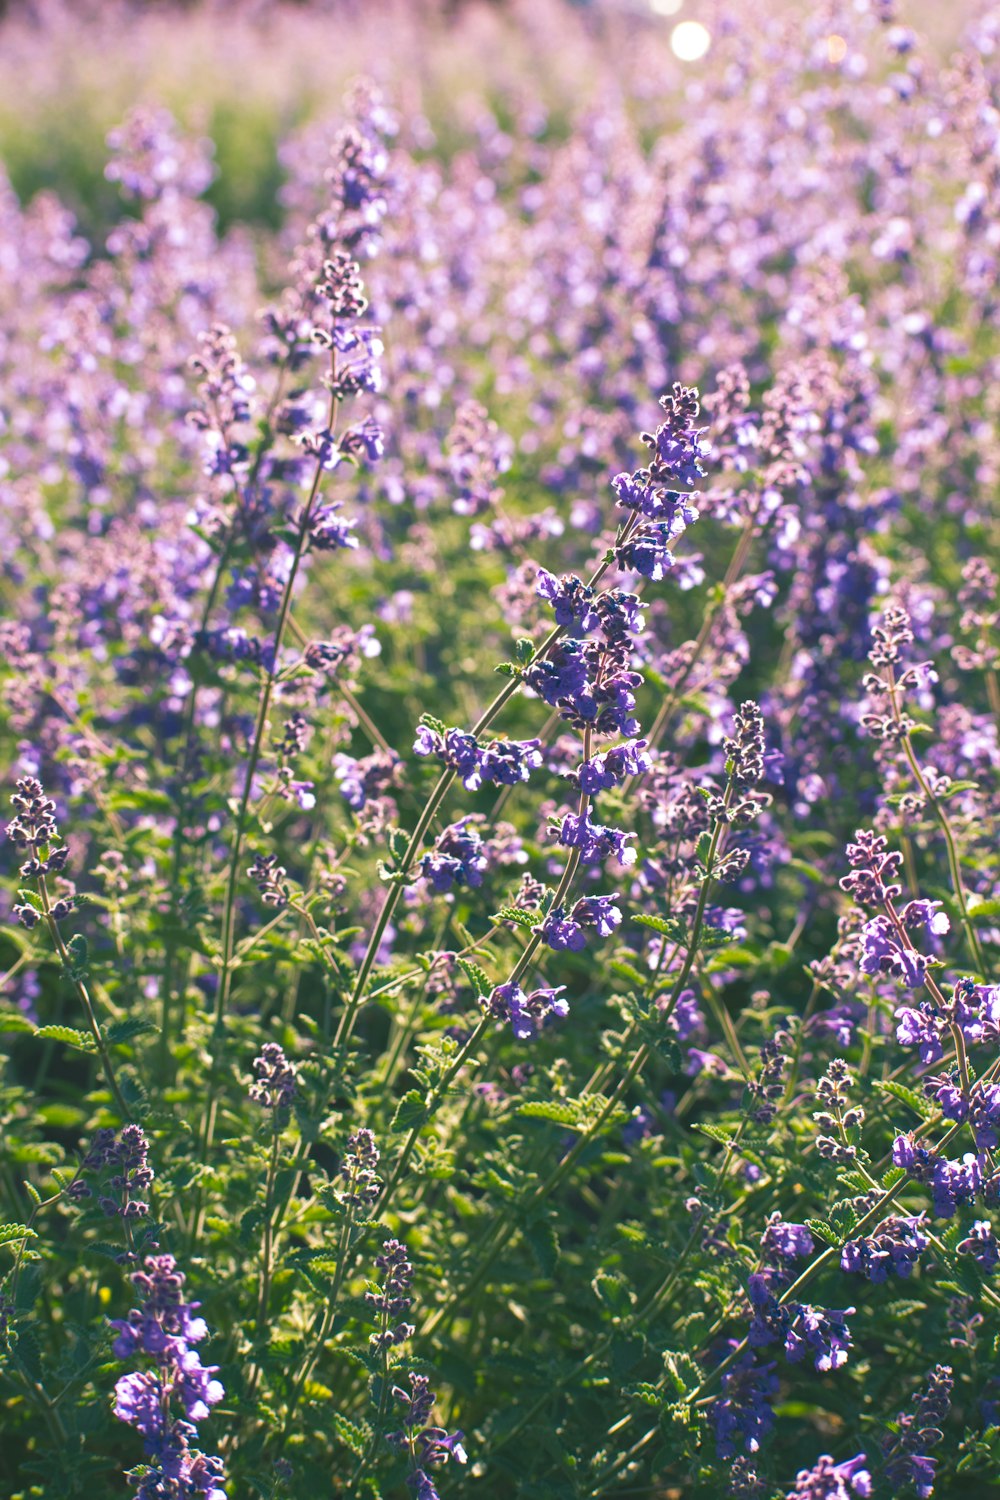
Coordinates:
500 737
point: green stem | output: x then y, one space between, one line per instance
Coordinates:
85 1000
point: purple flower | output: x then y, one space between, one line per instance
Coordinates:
572 601
277 1078
458 857
742 1416
508 1002
595 842
923 1028
907 1458
610 769
561 932
789 1241
821 1332
884 954
164 1328
830 1481
892 1250
504 762
981 1244
429 1447
647 552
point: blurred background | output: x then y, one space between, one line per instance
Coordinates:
249 75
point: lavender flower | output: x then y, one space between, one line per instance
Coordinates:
358 1168
458 857
508 1002
893 1249
277 1079
829 1481
504 762
561 931
428 1447
906 1453
743 1416
164 1329
393 1298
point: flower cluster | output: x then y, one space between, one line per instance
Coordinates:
458 857
166 1401
358 1169
525 1012
893 1250
277 1079
907 1459
562 929
393 1298
427 1447
502 762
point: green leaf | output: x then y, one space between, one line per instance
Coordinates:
9 1232
650 1395
821 1230
908 1096
671 927
575 1114
475 975
955 788
544 1245
250 1224
352 1434
411 1111
14 1020
683 1371
77 947
614 1292
517 914
399 842
126 1029
626 971
980 906
81 1040
524 650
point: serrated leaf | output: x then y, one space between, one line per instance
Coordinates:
476 976
615 1292
544 1245
559 1111
821 1230
908 1096
954 789
411 1111
682 1370
575 1114
721 1133
671 927
125 1029
517 914
650 1395
351 1434
81 1040
14 1020
10 1232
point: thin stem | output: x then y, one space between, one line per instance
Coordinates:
85 1000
